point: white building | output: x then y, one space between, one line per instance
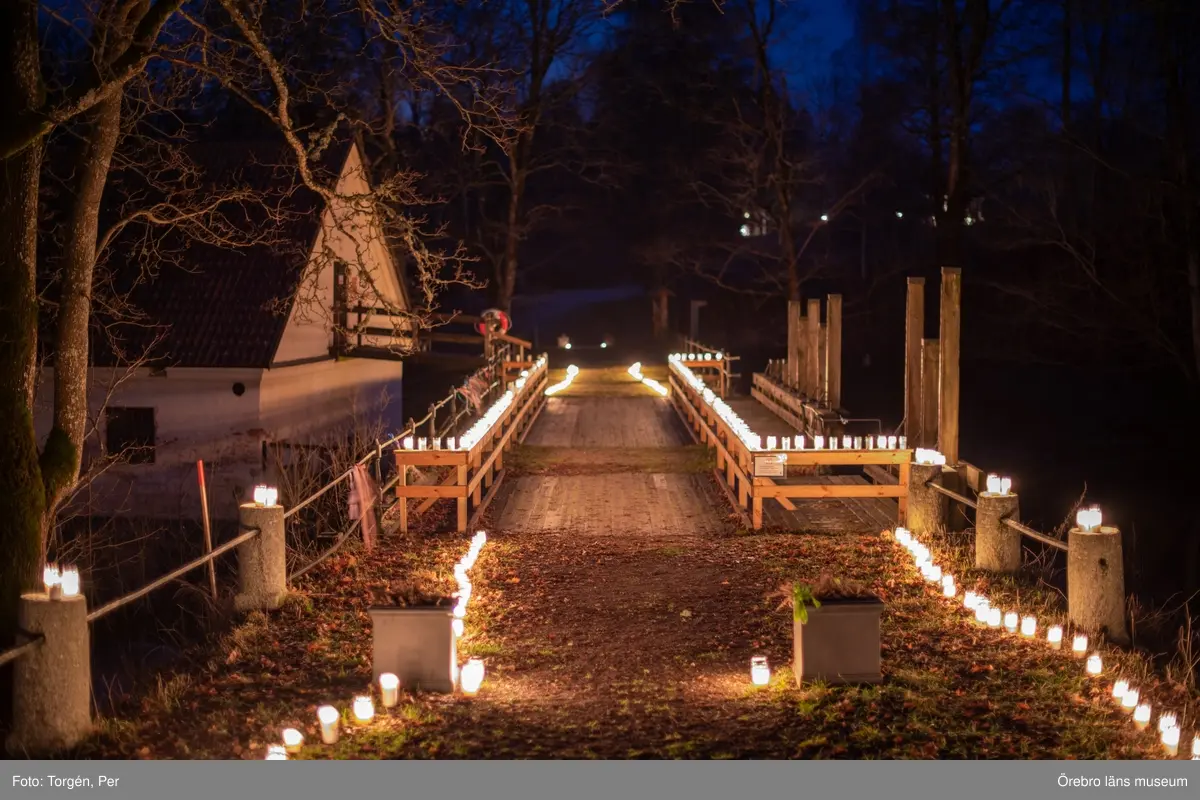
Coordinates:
248 348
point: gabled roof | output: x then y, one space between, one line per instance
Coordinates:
225 306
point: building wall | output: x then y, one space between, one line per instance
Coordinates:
197 415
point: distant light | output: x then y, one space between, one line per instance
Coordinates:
746 214
824 218
899 215
567 346
744 230
603 345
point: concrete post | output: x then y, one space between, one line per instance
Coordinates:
997 546
1096 582
928 509
262 561
52 684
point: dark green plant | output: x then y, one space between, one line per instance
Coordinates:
802 598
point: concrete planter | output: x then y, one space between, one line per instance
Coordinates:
839 643
416 644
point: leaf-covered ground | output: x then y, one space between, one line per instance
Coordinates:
636 644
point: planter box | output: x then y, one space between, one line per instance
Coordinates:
417 644
839 643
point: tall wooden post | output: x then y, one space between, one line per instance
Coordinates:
948 386
822 359
914 330
812 347
795 318
928 406
833 351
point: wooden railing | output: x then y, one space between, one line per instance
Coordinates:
738 463
472 470
795 409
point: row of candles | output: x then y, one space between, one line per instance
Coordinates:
696 356
572 371
736 424
362 710
1027 626
480 428
636 372
60 583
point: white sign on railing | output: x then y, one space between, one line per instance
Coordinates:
771 466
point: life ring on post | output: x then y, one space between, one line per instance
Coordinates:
493 322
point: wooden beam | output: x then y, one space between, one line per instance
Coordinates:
948 382
795 319
822 349
930 358
812 352
914 331
818 490
833 351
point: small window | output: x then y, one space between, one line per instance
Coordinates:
129 432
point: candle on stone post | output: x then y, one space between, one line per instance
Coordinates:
1095 576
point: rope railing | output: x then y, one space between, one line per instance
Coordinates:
13 653
113 605
1012 523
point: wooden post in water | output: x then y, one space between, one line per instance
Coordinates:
914 330
833 351
822 359
812 347
795 318
928 406
950 315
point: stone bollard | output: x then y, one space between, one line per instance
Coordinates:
52 684
262 561
928 509
997 546
1096 582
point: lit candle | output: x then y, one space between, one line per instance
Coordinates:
819 442
799 442
981 612
970 600
935 573
265 495
1119 689
833 443
1129 701
949 589
329 718
1196 748
1089 519
408 443
772 443
1028 626
70 582
1094 666
787 443
891 442
1010 621
422 443
903 442
760 672
1054 636
457 626
1168 720
1005 485
1079 645
903 536
277 752
993 619
52 578
389 688
293 740
993 483
471 676
364 710
1141 716
1170 740
858 443
847 442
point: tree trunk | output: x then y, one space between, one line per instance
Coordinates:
22 498
507 283
61 457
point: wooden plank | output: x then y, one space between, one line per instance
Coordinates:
449 480
879 474
914 331
435 491
930 356
833 351
948 381
778 410
504 337
819 490
430 458
795 318
783 501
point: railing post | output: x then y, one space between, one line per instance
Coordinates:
52 684
928 509
997 546
262 561
1096 582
